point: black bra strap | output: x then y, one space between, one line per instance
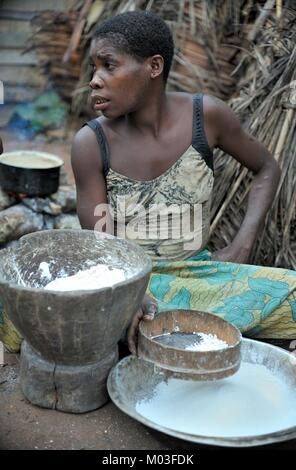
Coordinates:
102 141
199 140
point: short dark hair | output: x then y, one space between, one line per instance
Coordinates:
140 34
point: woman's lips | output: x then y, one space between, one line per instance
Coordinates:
99 103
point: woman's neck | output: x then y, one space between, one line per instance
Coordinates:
152 117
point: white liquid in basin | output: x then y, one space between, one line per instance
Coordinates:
254 401
31 160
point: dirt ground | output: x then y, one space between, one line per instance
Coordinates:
24 426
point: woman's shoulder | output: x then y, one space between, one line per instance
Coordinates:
210 104
85 148
185 97
88 133
218 118
179 97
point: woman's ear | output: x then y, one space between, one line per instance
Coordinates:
156 65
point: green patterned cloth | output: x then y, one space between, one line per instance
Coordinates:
8 333
260 301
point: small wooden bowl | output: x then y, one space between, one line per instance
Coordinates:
184 363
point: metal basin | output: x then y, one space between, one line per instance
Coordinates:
134 379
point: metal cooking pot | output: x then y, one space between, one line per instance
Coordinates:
30 172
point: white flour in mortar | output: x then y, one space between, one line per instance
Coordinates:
95 277
254 401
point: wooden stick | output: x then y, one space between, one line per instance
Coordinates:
76 35
284 132
268 6
278 8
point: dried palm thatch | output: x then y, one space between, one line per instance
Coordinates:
267 107
204 32
50 40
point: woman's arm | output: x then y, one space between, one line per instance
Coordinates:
224 131
90 182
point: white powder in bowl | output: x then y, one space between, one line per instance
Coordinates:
96 277
44 268
208 342
196 341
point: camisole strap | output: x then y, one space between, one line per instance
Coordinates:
102 141
199 139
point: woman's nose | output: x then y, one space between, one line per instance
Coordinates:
96 82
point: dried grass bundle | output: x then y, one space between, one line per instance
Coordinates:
52 33
267 106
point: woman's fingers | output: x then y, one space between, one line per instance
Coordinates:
149 307
149 312
133 331
146 312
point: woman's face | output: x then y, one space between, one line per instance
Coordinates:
119 82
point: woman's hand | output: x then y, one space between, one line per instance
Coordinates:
146 312
233 253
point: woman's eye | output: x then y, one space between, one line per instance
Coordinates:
109 65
